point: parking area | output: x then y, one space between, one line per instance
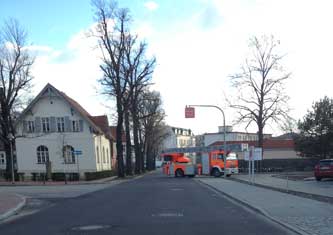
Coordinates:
303 182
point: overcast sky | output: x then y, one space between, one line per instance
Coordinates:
198 45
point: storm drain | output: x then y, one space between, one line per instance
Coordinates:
91 227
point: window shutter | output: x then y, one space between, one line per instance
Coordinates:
81 125
67 124
53 124
37 124
24 126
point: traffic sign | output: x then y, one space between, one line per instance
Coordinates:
78 152
189 112
253 154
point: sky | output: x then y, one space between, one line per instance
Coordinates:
198 44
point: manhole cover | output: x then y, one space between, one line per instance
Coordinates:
168 214
91 227
177 189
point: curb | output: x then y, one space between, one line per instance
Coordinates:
292 192
256 209
14 210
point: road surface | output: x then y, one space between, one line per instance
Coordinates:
153 204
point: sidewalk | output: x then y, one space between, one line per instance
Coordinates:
56 183
302 215
10 204
322 190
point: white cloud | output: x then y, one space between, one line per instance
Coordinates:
151 5
73 70
194 62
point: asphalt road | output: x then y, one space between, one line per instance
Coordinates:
154 204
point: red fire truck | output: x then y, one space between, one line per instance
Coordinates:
212 161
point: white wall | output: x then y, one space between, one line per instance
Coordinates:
102 143
27 153
276 154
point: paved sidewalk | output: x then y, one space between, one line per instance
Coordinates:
9 204
302 215
322 190
56 183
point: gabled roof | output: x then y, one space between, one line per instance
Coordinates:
103 123
75 105
113 130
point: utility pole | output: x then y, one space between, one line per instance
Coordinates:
224 134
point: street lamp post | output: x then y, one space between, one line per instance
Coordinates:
11 137
224 134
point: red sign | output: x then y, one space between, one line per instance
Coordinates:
189 112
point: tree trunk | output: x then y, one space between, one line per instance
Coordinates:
261 145
141 152
128 145
8 161
136 138
120 161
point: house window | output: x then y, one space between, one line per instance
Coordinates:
75 126
61 124
46 124
31 126
42 154
69 156
97 154
2 159
107 156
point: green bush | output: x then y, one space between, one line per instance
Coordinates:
98 175
60 176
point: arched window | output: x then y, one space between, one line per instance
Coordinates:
42 154
107 156
104 161
97 154
69 156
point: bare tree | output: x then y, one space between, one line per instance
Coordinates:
139 70
112 29
152 125
261 97
15 79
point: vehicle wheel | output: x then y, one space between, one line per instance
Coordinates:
179 173
318 178
191 176
228 175
216 173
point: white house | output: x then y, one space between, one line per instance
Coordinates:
56 129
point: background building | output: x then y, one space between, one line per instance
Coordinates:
210 138
179 138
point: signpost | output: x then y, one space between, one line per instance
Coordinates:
254 154
77 153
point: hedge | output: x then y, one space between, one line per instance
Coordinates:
99 175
